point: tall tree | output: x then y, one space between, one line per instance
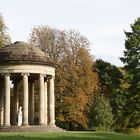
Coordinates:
78 94
75 81
111 87
131 60
4 37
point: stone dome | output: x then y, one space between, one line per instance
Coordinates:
22 53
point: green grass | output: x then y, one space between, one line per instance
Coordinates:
68 136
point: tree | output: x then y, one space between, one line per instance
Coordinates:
131 60
111 87
50 40
4 37
79 92
110 77
101 114
75 81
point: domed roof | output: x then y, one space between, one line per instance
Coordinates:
22 53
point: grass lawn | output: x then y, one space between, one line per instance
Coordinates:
68 136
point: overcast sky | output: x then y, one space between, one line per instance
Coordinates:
102 21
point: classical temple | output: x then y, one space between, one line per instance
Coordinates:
21 63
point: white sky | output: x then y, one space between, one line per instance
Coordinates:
102 21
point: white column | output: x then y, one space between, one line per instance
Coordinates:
45 103
51 103
25 98
31 103
7 101
41 99
16 103
1 104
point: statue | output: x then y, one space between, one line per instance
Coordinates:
20 116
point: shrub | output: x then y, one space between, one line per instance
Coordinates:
102 117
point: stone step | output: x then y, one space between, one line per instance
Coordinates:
31 128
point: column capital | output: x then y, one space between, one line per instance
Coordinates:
47 78
44 75
6 74
51 77
25 74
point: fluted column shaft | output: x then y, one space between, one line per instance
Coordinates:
1 104
7 101
51 103
45 103
41 99
31 103
25 99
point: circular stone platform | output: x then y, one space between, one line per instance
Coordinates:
31 128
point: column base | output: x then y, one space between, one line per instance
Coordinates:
6 124
25 125
52 125
42 124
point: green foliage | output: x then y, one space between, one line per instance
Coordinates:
111 86
110 77
131 60
102 117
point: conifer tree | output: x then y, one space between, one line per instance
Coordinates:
131 60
